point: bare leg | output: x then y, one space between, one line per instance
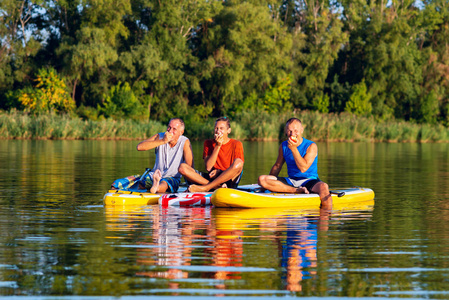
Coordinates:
323 223
157 176
163 187
190 175
322 189
271 183
231 173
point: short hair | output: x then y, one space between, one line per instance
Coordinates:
291 120
180 121
223 119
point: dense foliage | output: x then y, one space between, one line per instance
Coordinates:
159 59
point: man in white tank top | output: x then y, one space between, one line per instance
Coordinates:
172 149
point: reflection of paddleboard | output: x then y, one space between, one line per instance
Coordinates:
237 198
274 218
185 199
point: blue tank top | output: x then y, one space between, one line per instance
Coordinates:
292 169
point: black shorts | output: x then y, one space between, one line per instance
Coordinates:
230 183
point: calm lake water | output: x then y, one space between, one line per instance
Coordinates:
57 240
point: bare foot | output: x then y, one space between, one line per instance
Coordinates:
156 180
302 190
197 188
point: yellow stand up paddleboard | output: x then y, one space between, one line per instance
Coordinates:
118 197
237 198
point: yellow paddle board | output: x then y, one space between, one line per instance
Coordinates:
119 197
236 198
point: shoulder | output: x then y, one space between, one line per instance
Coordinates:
308 141
309 145
236 142
187 146
183 138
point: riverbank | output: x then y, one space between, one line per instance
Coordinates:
257 126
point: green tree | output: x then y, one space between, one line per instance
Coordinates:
49 94
359 101
434 104
91 48
383 51
275 100
318 37
321 102
17 45
121 103
161 63
243 52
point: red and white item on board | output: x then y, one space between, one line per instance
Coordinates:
185 199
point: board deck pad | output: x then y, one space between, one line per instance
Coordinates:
185 199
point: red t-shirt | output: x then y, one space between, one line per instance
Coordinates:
227 154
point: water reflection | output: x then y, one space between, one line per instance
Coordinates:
214 247
57 239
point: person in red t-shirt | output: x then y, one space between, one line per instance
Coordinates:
223 158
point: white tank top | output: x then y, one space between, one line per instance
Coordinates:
168 159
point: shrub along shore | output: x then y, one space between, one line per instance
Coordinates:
252 126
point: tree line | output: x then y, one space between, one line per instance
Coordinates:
157 59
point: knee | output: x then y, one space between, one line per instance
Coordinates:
323 187
183 168
238 164
262 180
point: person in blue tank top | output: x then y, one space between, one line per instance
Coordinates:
301 157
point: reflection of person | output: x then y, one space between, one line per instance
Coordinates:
172 148
299 251
227 252
301 156
172 243
223 158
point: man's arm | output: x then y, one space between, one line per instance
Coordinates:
304 163
188 154
276 169
154 142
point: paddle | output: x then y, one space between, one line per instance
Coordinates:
341 194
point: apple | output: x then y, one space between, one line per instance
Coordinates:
294 139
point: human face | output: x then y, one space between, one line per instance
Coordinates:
175 128
294 129
221 128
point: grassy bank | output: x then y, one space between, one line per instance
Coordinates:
259 126
52 126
